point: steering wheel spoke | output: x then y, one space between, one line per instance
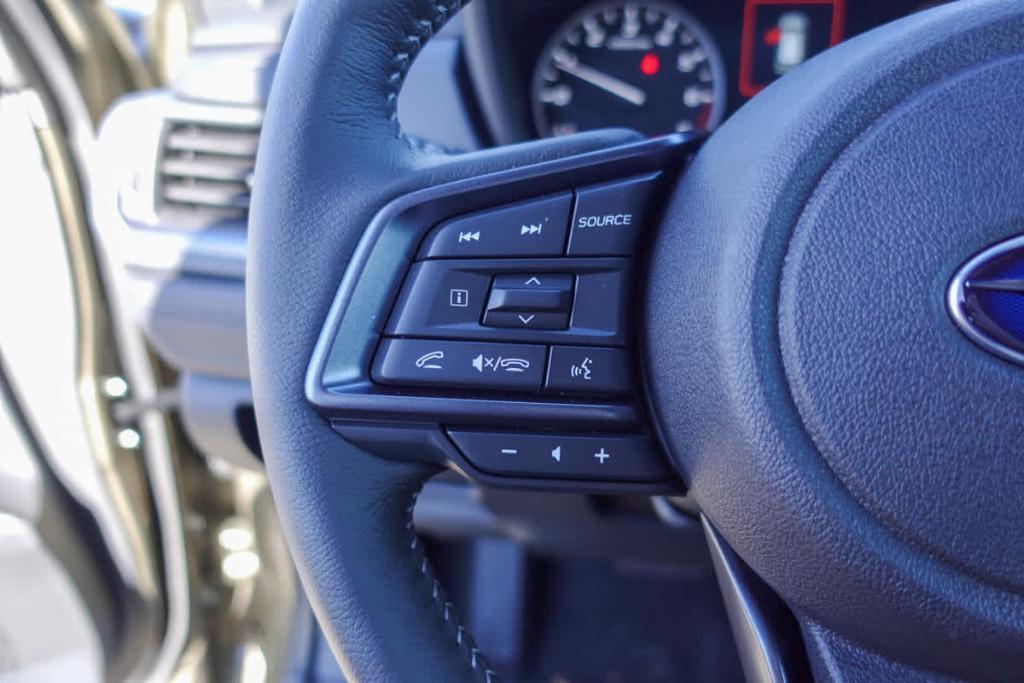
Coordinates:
486 322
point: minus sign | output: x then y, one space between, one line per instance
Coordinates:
510 451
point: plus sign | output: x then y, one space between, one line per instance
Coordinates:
602 455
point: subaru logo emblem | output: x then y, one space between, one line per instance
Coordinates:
986 299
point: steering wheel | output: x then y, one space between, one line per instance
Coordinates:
788 320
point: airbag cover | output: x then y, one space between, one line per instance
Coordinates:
859 452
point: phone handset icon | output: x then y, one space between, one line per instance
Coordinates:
428 360
514 364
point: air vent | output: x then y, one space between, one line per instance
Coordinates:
207 169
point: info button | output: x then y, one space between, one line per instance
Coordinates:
609 217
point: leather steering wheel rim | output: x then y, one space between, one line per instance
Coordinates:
348 514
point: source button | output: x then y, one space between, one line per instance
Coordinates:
609 217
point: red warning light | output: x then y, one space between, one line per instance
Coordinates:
650 64
765 35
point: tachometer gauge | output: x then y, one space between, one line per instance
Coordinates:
643 65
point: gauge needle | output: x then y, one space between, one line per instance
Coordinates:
630 93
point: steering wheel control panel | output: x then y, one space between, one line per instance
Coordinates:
503 343
525 311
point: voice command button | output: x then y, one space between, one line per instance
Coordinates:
588 370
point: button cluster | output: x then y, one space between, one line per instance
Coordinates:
529 297
489 324
571 301
511 367
515 454
534 228
606 220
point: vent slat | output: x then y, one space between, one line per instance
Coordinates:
232 169
229 195
213 141
206 168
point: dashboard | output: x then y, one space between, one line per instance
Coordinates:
543 68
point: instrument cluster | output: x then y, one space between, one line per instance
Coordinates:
659 66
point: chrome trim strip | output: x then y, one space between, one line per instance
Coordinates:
763 657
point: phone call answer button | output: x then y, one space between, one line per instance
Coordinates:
457 364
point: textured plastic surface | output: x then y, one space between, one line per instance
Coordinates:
913 422
856 450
